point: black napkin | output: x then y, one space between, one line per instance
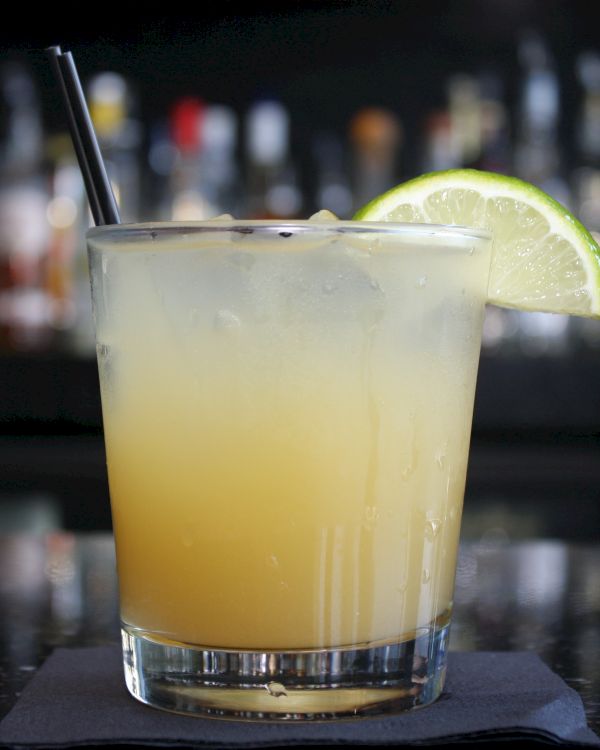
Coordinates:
78 697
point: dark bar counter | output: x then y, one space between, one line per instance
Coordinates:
543 596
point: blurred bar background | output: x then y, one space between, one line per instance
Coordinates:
264 110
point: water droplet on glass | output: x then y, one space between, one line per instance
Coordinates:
426 575
371 513
432 528
440 458
329 288
225 320
422 281
273 561
407 471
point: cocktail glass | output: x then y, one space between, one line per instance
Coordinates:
287 411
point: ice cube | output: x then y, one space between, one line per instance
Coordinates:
324 215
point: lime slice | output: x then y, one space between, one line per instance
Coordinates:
543 258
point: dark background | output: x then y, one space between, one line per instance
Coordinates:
324 60
535 468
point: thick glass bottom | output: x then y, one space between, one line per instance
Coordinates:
353 681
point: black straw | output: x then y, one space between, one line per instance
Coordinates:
100 195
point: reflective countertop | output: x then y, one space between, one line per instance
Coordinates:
60 589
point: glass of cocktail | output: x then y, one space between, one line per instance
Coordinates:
287 411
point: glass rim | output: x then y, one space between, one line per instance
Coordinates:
155 230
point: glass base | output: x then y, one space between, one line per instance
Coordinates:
354 681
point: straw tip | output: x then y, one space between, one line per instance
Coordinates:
54 50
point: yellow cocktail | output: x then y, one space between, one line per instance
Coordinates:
287 417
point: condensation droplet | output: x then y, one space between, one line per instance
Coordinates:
426 575
273 561
371 513
225 320
440 458
407 471
432 528
329 288
422 281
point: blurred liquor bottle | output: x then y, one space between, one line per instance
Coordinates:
204 180
219 173
332 188
161 157
538 159
120 135
376 138
272 187
187 200
441 150
67 278
465 113
473 131
25 306
501 330
586 175
495 151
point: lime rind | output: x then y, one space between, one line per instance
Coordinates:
407 202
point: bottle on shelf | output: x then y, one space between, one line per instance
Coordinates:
272 188
464 108
219 173
67 277
538 159
586 175
332 189
161 157
376 138
495 126
441 150
25 305
204 176
187 200
119 135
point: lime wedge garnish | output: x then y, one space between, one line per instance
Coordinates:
543 258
